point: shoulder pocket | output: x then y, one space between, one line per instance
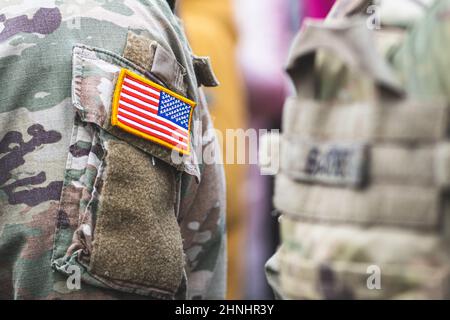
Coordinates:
117 218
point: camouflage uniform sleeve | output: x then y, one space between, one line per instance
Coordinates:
203 218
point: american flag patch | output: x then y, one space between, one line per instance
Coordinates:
150 111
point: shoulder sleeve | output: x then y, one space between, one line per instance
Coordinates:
202 213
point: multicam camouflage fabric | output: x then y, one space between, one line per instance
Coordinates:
51 153
424 47
364 197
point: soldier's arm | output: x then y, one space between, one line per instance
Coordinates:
203 219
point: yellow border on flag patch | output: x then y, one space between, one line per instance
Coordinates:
115 110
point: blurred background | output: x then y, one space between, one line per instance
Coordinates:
248 42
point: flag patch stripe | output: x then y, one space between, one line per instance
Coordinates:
142 86
152 113
137 85
160 135
139 95
146 121
137 101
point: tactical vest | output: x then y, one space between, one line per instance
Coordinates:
364 174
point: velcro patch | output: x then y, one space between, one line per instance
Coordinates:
337 163
150 111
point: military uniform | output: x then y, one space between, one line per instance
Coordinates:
80 195
363 185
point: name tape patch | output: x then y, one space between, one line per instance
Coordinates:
337 163
152 112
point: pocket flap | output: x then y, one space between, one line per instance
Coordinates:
95 75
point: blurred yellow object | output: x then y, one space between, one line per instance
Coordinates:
210 28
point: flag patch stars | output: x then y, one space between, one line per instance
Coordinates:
150 111
174 110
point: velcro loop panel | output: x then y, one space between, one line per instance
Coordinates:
140 50
137 238
154 58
